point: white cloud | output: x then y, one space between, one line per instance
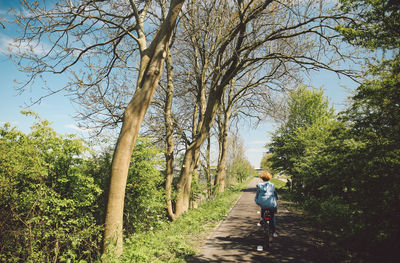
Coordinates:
256 150
263 142
74 127
9 46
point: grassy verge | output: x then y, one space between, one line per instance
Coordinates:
175 241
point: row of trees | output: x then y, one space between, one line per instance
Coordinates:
54 193
345 166
223 59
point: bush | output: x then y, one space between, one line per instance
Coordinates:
331 214
145 199
48 202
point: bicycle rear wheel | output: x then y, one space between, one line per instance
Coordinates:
266 234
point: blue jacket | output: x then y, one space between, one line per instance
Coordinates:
266 195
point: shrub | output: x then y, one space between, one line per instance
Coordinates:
48 202
145 200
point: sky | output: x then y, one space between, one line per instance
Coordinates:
60 111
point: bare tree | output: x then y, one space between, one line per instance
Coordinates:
118 69
225 41
250 96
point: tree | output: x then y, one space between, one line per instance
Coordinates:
373 119
347 167
223 118
252 35
354 160
251 97
374 25
238 167
266 163
118 28
308 119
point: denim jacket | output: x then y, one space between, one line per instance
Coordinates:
266 195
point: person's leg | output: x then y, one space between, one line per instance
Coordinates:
273 221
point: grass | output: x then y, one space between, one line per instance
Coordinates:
175 241
279 184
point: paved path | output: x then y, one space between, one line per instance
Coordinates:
237 237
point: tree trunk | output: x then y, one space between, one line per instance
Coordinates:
193 151
193 201
152 60
183 187
221 168
169 154
223 125
208 166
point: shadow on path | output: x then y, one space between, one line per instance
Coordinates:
250 190
237 237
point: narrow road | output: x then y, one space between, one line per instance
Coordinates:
236 239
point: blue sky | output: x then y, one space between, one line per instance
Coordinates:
60 111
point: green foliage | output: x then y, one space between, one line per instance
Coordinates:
175 241
54 193
45 194
345 170
306 106
238 170
145 199
332 214
374 120
267 163
307 127
197 190
375 23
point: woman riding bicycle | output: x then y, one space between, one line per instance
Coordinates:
267 198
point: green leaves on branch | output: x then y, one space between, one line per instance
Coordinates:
309 115
48 201
54 189
345 169
145 198
374 25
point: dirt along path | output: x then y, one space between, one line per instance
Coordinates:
236 239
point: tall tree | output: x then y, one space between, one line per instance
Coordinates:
307 108
250 97
374 118
266 163
223 40
102 39
237 165
348 168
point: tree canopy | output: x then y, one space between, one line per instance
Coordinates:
345 168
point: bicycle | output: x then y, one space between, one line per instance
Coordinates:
267 217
